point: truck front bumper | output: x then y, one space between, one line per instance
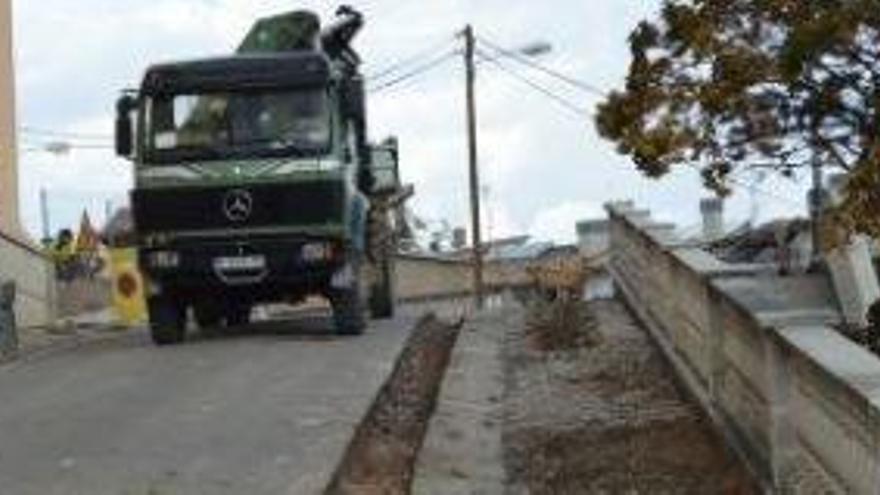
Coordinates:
255 269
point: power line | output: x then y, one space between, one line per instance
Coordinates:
582 85
418 57
593 90
74 143
37 131
752 187
76 146
63 148
570 106
422 69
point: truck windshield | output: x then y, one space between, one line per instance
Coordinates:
235 125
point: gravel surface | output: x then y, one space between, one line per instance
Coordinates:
596 410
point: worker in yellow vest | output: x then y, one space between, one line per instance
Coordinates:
63 254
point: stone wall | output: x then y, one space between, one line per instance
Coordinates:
800 402
428 277
34 277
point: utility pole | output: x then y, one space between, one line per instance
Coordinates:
470 71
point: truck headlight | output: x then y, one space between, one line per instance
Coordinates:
316 252
164 260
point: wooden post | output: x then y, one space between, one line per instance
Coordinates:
470 71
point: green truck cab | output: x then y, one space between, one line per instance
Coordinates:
254 180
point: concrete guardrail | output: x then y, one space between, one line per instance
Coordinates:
799 401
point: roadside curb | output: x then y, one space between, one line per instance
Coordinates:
65 335
462 450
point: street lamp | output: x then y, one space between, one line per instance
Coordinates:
57 148
536 49
530 50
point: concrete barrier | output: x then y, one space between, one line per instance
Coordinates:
423 278
800 402
34 278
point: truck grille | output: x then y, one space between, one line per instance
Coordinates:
269 205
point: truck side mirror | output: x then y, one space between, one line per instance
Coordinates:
124 127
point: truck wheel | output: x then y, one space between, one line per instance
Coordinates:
167 321
348 311
208 316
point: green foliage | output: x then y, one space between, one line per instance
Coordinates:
726 85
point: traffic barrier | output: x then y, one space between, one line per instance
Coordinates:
128 287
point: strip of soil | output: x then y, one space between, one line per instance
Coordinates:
607 418
382 454
561 325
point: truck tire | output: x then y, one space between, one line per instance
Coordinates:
208 316
348 311
167 321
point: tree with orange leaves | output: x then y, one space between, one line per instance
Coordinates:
727 85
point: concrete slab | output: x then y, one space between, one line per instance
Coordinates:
267 413
795 300
462 451
837 355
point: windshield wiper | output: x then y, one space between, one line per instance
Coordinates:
173 155
298 147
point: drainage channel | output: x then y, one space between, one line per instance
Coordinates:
381 456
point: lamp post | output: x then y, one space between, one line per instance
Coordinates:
530 50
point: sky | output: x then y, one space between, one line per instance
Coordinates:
543 167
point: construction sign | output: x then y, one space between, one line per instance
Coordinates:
128 287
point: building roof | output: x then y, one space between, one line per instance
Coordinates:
509 249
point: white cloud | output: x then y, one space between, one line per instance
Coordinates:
545 168
558 222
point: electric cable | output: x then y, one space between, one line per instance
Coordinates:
566 103
582 85
411 60
37 131
418 71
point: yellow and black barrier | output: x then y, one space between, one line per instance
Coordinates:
129 299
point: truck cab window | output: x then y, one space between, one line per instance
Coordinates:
227 124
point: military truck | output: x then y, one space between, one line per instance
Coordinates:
254 180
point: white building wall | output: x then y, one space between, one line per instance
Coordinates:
19 260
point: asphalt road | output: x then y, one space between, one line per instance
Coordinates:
269 412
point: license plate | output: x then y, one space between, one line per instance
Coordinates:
240 263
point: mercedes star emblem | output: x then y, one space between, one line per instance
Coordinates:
237 205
